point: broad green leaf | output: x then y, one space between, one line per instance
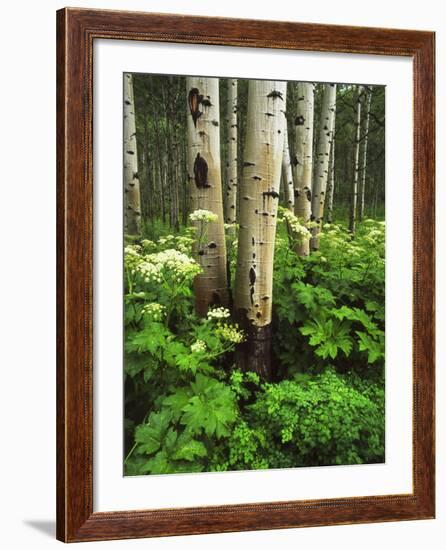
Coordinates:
177 401
212 410
149 436
189 450
159 464
148 439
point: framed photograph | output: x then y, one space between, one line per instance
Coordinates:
245 275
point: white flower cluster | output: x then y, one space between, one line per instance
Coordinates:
132 257
198 347
149 271
173 259
165 240
169 263
154 310
371 221
311 224
375 233
333 229
375 236
147 243
230 225
179 242
300 232
335 235
230 333
353 249
132 250
205 216
218 313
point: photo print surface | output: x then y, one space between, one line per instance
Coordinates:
254 274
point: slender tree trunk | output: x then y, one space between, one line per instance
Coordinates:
258 216
175 155
232 176
355 179
160 164
365 138
132 200
204 175
164 189
147 161
170 168
375 198
331 172
178 104
302 160
184 180
287 174
156 197
320 180
242 105
176 222
331 181
170 145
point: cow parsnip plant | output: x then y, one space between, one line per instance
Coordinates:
335 311
188 409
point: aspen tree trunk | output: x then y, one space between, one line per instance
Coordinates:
355 180
132 197
259 195
160 164
148 165
176 215
232 176
204 175
320 180
157 172
331 172
176 156
302 160
184 179
164 188
365 138
287 175
241 122
331 181
169 158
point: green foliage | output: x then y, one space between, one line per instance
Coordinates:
328 336
178 405
330 306
211 410
188 409
184 428
322 420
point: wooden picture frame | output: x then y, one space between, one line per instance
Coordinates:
76 31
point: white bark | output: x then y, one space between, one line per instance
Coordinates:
302 160
331 181
365 139
354 188
320 179
259 199
132 197
203 132
232 177
287 175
